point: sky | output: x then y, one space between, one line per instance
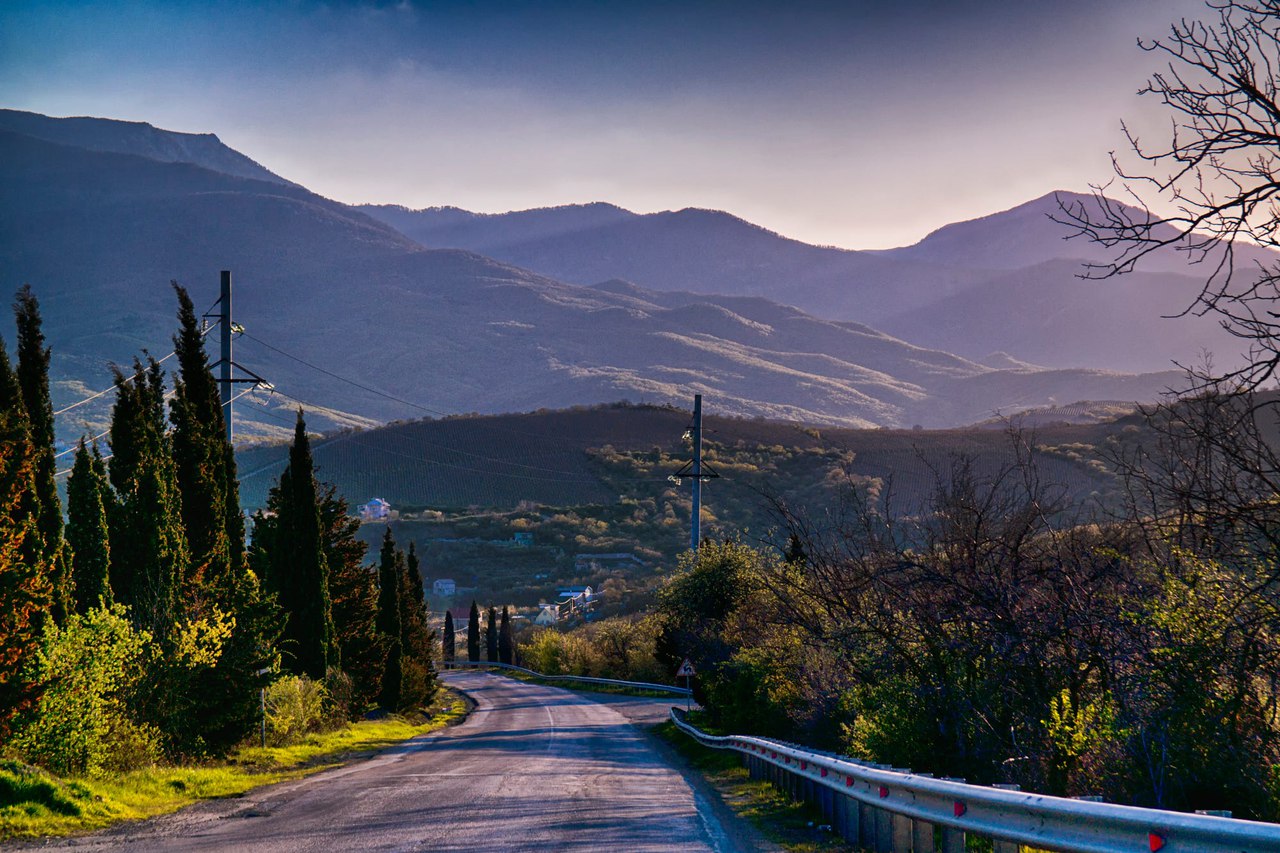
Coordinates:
856 124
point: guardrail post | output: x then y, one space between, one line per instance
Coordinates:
849 818
867 824
884 831
922 830
952 840
998 846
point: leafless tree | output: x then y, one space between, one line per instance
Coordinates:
1210 191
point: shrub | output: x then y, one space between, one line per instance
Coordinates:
295 706
81 724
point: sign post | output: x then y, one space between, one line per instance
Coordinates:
686 669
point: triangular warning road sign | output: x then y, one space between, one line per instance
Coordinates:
686 669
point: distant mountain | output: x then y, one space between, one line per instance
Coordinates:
1008 282
132 137
700 251
323 289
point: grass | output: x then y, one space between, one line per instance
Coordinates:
790 825
34 803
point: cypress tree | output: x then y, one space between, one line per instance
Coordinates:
415 577
295 565
87 530
353 588
217 575
506 647
390 571
199 454
473 633
25 588
33 380
449 649
149 546
491 637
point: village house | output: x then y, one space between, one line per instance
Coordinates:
444 587
376 509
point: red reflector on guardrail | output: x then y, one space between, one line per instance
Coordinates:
804 765
959 808
884 792
1156 841
848 781
824 773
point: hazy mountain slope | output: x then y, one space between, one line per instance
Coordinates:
131 137
99 235
1008 282
1046 314
703 251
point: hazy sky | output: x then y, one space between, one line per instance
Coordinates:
859 124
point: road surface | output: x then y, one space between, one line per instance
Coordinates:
532 768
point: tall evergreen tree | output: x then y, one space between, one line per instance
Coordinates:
217 576
448 649
353 588
390 571
33 380
291 553
25 588
473 633
415 577
149 546
199 455
87 531
506 646
491 637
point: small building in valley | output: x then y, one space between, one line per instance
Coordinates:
444 587
376 509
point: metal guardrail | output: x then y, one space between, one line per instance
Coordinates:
894 811
639 685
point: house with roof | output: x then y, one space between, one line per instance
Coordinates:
376 509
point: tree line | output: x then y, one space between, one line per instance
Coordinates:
144 624
499 643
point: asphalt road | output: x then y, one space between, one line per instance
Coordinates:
532 768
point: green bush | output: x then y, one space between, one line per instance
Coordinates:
82 724
25 787
295 707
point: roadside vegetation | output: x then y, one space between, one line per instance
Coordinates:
142 636
35 802
1000 632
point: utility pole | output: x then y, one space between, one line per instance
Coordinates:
697 470
224 377
226 365
695 526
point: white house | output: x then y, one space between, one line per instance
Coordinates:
375 510
548 616
444 587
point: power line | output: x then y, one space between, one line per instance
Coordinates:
576 476
167 396
392 397
206 330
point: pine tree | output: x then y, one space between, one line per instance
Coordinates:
354 592
390 571
149 546
291 553
491 637
448 651
33 380
87 531
506 646
473 633
199 455
25 588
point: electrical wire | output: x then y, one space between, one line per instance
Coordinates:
565 476
203 332
392 397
